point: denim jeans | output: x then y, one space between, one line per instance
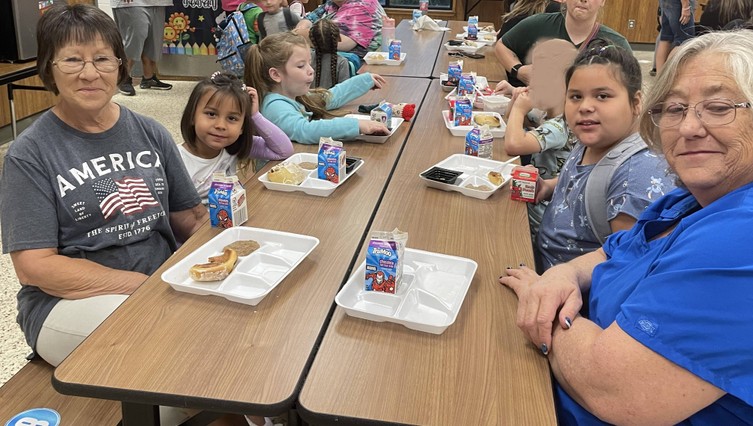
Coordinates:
671 28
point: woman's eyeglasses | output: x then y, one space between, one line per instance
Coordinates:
73 65
714 112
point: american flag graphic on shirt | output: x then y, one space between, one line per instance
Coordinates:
129 195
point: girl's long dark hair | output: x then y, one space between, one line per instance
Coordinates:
324 35
224 86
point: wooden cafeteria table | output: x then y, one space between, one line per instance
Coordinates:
10 73
421 48
172 348
481 370
487 67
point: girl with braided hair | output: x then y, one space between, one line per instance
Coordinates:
324 36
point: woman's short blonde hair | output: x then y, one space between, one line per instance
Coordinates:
733 48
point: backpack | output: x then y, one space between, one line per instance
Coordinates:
288 21
598 182
233 40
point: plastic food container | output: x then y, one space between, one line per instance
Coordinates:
311 185
381 58
429 298
473 178
496 103
255 275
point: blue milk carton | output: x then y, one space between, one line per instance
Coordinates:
384 261
226 201
331 163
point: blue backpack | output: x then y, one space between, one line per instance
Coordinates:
233 40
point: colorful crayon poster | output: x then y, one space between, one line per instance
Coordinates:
189 27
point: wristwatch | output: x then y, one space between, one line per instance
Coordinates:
514 70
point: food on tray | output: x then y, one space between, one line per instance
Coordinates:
495 178
243 247
479 187
308 165
486 120
488 37
287 173
218 267
488 29
378 57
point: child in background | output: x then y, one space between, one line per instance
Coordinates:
602 107
275 19
298 7
549 145
218 127
280 69
324 36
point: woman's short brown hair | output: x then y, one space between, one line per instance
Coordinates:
79 23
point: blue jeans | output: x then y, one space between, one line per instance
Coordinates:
671 28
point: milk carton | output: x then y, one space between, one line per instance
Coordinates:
384 261
463 111
394 50
523 184
383 114
331 163
227 201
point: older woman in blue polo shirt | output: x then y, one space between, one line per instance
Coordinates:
668 338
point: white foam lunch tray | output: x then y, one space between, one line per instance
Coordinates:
428 299
465 48
475 172
480 31
311 185
373 58
485 38
497 132
255 275
396 122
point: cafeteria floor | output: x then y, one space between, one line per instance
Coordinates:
168 106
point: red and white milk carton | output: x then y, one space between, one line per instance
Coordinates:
523 184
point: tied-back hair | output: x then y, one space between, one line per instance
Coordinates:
63 24
224 87
731 48
525 8
324 35
604 52
273 52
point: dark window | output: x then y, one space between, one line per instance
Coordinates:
413 4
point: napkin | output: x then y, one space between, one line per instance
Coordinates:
427 23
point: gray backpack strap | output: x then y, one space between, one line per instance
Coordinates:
598 182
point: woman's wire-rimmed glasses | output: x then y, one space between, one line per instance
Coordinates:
73 64
714 112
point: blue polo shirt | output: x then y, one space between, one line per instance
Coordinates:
687 296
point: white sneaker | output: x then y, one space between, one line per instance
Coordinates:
267 422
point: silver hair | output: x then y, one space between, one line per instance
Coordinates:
732 48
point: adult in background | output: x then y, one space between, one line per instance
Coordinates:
670 298
677 26
142 25
577 24
719 14
523 9
360 23
93 197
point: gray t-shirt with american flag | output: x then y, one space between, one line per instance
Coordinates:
105 197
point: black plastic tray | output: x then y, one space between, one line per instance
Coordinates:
442 175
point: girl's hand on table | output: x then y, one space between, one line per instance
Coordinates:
368 127
379 81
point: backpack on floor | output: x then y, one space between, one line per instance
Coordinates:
233 40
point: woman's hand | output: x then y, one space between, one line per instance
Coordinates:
379 81
685 15
254 99
541 297
368 127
